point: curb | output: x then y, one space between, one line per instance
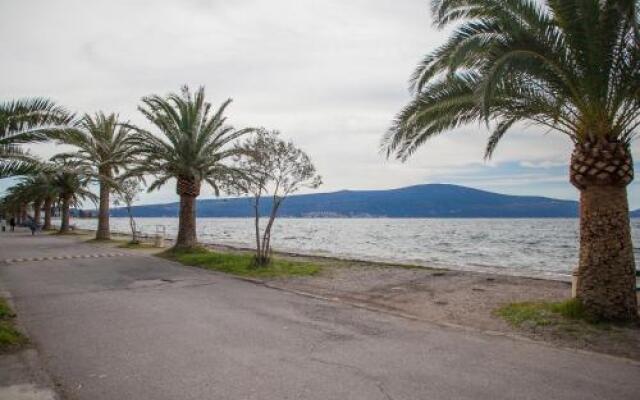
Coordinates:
39 383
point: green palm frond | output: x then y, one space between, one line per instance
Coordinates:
19 117
73 178
15 161
14 168
194 139
570 66
103 144
23 121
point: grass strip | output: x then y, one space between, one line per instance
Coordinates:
542 313
10 337
241 264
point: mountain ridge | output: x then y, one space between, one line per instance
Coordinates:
417 201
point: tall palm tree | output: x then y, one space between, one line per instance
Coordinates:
71 181
570 66
30 189
19 122
44 192
194 145
17 199
105 146
50 194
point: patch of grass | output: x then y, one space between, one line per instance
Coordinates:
542 313
10 337
241 264
571 309
532 313
5 311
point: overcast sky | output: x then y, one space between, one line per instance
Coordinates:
329 74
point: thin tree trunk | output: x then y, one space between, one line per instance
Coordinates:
606 273
134 230
132 225
37 206
187 223
47 214
64 223
103 232
256 211
266 239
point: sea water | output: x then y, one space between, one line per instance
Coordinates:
529 247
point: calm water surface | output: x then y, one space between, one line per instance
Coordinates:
531 247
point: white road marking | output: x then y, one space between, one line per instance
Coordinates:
53 258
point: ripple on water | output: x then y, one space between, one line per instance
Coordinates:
536 245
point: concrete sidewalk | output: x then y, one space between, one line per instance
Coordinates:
22 377
133 326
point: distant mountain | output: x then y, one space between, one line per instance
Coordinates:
422 201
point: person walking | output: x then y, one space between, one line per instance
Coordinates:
32 224
12 223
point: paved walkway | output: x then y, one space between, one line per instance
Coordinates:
134 326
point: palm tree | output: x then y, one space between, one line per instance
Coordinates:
50 193
572 67
39 189
30 189
44 193
105 146
19 122
70 181
17 201
195 143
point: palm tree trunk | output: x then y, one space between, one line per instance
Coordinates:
47 214
64 223
37 206
23 213
188 188
103 232
187 223
606 272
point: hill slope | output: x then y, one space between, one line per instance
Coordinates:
422 201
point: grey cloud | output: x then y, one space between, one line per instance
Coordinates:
329 74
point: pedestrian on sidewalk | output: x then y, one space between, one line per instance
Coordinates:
12 223
32 224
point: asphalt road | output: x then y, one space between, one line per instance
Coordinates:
137 327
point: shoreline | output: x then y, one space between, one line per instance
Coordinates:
472 268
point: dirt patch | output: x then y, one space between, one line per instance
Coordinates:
462 298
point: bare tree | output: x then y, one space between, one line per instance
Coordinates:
269 166
125 195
